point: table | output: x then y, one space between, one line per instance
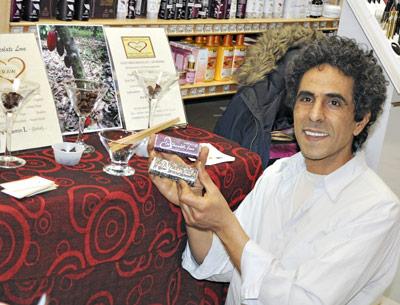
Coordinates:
100 239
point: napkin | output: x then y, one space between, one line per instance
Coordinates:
215 156
28 187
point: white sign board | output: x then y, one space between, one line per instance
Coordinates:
36 124
142 58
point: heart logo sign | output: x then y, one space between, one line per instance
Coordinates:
137 45
11 68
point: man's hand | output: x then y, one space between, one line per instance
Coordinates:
168 187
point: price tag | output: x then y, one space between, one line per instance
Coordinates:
193 91
240 27
208 28
199 28
189 28
212 89
201 91
225 27
232 28
172 28
247 27
217 28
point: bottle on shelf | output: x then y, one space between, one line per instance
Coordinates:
223 68
239 52
65 10
241 8
268 8
31 10
82 10
316 8
191 69
217 40
16 10
211 59
188 39
198 41
130 14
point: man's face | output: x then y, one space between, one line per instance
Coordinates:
324 118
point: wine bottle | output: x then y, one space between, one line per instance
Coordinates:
316 8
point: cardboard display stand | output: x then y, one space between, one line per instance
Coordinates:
142 57
36 124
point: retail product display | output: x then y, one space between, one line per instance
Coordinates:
84 96
119 158
16 10
14 94
67 153
223 69
82 10
166 9
174 171
31 10
178 146
65 10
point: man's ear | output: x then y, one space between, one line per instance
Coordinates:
361 124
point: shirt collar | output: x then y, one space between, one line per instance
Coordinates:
336 181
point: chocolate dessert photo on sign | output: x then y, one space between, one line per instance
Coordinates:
80 53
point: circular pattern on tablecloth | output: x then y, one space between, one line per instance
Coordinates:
111 228
15 239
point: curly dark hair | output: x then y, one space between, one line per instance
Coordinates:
354 60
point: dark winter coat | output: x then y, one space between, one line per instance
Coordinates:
259 106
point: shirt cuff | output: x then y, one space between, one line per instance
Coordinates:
213 263
255 263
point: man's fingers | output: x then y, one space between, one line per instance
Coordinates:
150 144
203 155
205 178
187 196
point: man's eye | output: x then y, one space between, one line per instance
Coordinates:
305 99
335 102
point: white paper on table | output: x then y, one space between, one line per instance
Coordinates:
215 156
28 187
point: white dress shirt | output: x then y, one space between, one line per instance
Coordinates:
340 245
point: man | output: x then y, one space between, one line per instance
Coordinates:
319 227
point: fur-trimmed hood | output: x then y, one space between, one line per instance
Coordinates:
270 47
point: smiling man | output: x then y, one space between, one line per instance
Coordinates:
319 227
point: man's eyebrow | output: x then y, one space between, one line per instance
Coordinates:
337 95
304 93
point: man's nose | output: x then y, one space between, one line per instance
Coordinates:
317 111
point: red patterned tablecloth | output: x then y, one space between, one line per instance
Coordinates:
100 239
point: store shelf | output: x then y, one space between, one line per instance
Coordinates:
208 89
376 36
194 26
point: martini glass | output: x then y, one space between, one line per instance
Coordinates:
154 84
85 96
119 157
13 95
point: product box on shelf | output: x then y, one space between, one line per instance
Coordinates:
181 53
47 8
106 9
220 9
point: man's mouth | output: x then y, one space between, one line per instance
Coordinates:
313 133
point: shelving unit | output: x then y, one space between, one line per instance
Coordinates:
176 28
357 22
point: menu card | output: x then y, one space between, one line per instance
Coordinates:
142 52
36 124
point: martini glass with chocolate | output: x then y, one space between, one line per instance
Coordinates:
13 95
154 84
85 96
